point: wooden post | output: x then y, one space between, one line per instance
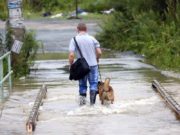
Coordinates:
169 99
31 122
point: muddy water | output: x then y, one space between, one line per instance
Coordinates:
137 108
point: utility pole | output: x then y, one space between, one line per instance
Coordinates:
16 24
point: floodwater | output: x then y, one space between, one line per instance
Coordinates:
55 35
137 108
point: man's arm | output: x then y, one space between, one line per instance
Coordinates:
98 53
71 58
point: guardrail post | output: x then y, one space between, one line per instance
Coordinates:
33 117
1 78
173 104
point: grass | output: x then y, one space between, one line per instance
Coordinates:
32 15
58 56
38 15
51 56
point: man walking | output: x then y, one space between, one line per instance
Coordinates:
91 51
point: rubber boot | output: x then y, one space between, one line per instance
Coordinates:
93 97
82 99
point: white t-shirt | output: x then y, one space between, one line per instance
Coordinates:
87 45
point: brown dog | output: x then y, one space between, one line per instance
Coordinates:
105 91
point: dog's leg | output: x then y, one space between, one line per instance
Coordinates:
104 96
102 101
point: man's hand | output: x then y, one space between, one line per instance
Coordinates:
98 54
97 60
71 58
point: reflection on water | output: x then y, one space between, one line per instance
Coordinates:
137 108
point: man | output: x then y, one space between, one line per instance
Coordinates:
91 51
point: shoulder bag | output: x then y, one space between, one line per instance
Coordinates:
80 67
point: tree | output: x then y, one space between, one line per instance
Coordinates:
172 8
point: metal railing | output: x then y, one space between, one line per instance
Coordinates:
3 77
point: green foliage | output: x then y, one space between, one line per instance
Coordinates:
30 46
95 5
1 44
9 39
22 62
67 5
26 56
3 10
5 66
48 5
145 33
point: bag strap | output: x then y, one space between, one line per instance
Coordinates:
78 47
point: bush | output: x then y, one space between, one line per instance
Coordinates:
3 10
22 62
1 45
95 5
48 5
26 56
145 33
67 5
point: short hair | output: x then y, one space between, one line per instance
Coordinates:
82 27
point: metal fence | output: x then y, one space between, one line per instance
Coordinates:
3 77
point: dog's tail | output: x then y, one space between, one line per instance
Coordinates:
106 84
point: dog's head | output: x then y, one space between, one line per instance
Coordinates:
100 87
100 83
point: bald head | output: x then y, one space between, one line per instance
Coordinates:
81 27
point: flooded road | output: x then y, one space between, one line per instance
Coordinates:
55 35
137 108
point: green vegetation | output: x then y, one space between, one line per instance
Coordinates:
1 53
35 8
55 56
22 62
27 55
95 5
3 10
147 27
153 31
51 56
66 5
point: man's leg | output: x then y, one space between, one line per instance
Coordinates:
83 90
93 81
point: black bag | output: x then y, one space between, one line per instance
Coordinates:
80 67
